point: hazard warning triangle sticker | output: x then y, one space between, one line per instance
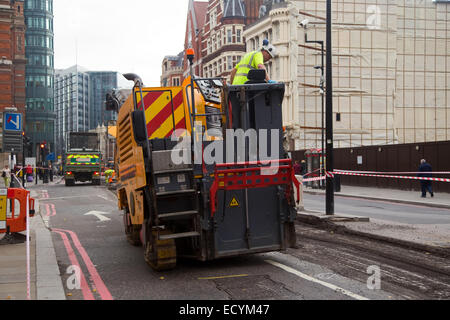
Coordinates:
234 203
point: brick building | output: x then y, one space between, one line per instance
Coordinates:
12 55
193 39
214 29
172 70
223 42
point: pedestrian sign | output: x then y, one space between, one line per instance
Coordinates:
12 122
234 203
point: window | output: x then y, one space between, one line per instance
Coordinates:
229 36
252 44
238 35
19 43
213 19
230 63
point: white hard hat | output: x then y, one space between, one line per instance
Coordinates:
271 50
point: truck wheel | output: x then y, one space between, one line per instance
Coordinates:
160 255
70 183
132 232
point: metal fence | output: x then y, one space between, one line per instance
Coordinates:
391 158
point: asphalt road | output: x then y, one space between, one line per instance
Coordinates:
382 210
110 268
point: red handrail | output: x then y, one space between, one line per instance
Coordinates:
234 178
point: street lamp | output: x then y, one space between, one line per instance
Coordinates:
304 24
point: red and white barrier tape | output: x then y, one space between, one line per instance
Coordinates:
376 172
314 179
356 173
311 173
390 176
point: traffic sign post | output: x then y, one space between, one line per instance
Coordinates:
13 122
12 132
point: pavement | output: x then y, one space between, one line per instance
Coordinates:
45 278
428 237
440 200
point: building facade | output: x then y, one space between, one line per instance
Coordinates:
12 63
40 111
223 43
214 29
72 87
193 39
172 71
101 82
12 56
391 70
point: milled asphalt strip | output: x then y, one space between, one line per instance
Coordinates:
323 283
48 278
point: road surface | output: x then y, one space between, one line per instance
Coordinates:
88 234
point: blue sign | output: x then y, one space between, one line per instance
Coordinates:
50 157
13 122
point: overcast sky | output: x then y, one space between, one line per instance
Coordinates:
119 35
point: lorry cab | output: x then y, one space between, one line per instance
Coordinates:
82 160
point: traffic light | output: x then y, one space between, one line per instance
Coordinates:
26 140
42 145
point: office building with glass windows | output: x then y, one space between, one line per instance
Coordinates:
40 112
101 82
80 101
71 103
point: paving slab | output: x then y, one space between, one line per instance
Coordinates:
440 200
45 277
13 270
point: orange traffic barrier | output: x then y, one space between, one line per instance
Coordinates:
16 223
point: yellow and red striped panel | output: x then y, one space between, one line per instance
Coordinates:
158 111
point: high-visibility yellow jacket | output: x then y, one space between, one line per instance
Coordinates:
250 61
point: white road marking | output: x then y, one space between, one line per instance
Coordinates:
325 284
98 214
68 197
104 197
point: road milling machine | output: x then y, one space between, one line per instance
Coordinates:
241 204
